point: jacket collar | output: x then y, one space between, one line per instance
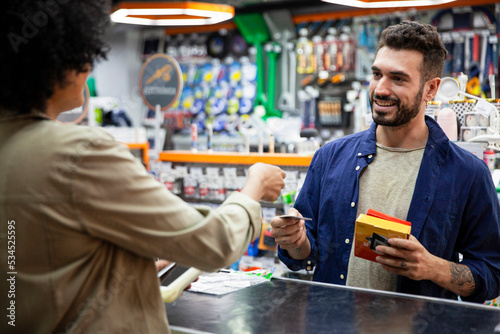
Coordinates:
369 141
9 115
437 138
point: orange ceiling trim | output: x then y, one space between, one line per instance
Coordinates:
378 11
382 1
175 5
207 28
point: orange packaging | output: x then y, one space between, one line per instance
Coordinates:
374 229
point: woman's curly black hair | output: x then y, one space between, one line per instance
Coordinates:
40 41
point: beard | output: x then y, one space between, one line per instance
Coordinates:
405 113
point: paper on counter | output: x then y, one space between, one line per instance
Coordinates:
222 282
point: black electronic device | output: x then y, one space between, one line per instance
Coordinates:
377 240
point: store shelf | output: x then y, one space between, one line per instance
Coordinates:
280 159
276 205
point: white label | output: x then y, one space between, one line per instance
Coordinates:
181 171
196 171
229 171
212 171
484 108
291 176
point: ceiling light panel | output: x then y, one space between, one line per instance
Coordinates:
181 13
388 3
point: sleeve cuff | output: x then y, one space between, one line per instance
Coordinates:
252 208
486 287
308 263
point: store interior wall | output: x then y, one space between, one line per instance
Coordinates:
117 77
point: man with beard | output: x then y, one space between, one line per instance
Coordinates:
406 167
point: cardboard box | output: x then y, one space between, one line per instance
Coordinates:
374 229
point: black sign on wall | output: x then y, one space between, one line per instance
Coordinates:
160 81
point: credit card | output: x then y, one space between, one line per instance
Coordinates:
295 217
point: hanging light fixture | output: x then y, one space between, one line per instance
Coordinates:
388 3
163 13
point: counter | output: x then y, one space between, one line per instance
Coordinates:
294 306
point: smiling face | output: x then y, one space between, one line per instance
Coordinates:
396 90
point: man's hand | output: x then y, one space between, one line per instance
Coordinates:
290 234
409 258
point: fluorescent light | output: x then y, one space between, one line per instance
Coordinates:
387 3
171 13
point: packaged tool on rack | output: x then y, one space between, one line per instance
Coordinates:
304 50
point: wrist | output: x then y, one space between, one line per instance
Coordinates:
440 271
252 190
301 251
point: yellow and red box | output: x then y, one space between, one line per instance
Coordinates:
374 229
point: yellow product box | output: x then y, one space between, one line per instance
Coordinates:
371 230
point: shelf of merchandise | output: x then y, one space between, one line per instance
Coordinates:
287 161
232 158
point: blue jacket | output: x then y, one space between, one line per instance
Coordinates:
454 209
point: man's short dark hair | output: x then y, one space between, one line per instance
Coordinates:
424 38
40 41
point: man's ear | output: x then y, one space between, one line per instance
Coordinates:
431 88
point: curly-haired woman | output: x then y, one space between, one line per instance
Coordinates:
84 217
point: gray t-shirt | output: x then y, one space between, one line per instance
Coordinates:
386 185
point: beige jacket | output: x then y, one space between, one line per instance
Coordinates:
89 220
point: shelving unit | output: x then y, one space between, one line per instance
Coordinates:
241 161
227 158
